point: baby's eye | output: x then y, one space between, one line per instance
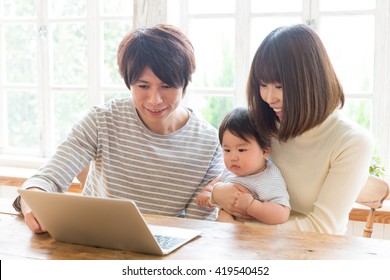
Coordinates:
226 150
242 150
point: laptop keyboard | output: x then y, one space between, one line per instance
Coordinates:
167 242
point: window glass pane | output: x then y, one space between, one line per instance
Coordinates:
211 7
23 124
20 8
115 94
261 26
359 110
20 53
67 8
69 52
349 41
116 7
113 33
214 45
211 108
276 6
346 5
69 106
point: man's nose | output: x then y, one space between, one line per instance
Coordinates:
155 97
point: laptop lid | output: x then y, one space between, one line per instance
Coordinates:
102 222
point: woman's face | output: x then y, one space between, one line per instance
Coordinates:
158 104
272 93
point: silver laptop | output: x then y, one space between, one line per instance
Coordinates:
103 222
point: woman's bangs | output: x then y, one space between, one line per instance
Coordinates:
268 70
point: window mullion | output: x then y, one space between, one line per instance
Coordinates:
94 53
381 98
148 12
242 50
3 101
46 114
311 12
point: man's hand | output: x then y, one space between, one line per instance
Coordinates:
33 223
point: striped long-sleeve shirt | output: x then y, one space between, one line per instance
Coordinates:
161 173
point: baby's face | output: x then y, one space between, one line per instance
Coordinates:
241 157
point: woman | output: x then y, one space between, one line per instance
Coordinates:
294 96
148 147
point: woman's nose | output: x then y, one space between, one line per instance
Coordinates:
269 96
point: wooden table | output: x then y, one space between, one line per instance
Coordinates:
219 241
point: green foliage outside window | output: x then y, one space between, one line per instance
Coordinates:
216 107
376 166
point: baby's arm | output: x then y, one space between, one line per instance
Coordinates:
267 212
203 198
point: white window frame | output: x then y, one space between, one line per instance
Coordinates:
10 157
150 12
380 97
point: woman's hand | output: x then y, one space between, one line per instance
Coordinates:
243 202
226 195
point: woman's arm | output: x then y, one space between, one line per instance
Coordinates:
226 196
324 186
267 212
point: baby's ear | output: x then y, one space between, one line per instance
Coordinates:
266 151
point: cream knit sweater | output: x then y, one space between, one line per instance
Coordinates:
325 168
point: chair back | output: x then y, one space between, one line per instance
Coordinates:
374 192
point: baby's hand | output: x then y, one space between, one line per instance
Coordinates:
203 199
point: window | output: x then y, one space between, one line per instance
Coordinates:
58 59
226 33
